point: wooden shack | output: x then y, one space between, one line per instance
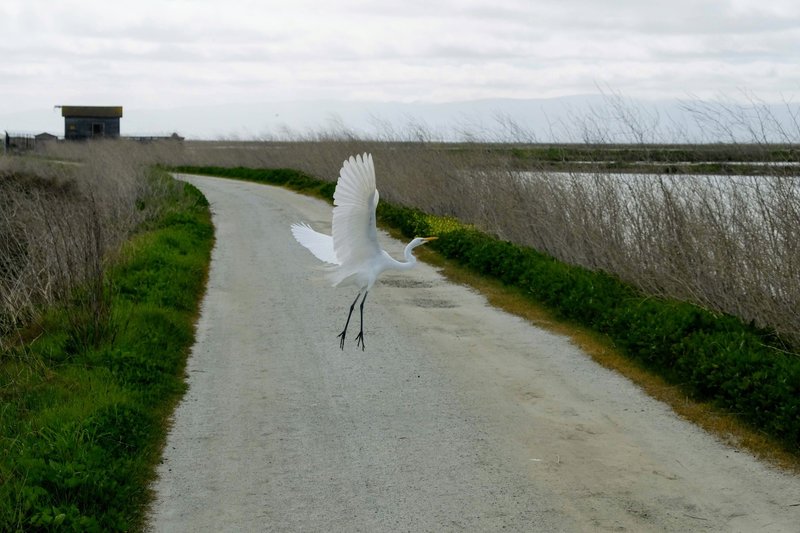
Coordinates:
91 122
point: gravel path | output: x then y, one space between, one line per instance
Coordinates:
457 417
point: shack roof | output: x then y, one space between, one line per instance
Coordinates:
91 111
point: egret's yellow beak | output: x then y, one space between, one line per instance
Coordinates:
429 239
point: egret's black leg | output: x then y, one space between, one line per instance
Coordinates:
342 334
360 337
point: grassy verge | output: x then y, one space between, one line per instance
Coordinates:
83 422
708 357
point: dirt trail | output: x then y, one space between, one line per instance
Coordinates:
457 417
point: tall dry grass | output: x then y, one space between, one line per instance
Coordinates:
60 223
727 244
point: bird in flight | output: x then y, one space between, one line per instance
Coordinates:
352 251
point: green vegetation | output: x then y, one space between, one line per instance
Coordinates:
86 393
713 356
676 153
752 159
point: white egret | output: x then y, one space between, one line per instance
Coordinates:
353 252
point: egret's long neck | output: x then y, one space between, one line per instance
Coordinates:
410 260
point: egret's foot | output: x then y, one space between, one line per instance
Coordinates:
360 340
341 339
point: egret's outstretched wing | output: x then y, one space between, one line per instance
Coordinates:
319 244
355 237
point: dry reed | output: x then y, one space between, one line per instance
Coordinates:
59 223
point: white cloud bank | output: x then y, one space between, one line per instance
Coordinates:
168 54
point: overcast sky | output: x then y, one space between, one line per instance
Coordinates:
152 54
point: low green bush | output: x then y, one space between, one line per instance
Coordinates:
712 356
82 424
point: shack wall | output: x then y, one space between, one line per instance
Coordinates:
80 128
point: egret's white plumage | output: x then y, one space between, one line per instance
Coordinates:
353 252
319 244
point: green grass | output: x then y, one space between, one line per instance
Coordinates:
633 153
82 424
652 158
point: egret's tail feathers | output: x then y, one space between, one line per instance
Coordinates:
341 276
319 244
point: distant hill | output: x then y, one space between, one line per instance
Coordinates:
593 118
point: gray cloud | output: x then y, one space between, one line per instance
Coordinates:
155 53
